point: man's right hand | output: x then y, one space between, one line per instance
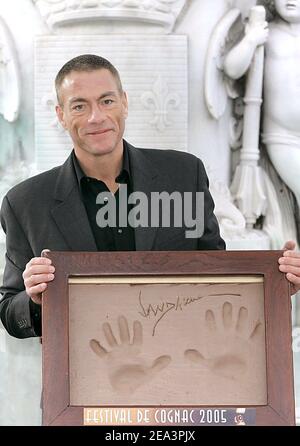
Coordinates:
38 272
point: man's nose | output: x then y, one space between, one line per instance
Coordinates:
96 114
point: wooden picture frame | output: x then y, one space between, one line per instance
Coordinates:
210 267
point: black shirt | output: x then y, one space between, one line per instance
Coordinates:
117 235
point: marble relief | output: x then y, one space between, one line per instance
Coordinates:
256 62
10 94
61 12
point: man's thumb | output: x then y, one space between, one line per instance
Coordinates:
289 245
44 252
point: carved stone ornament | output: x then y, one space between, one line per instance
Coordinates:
160 100
231 220
9 75
217 86
65 12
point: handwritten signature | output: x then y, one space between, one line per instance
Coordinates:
150 311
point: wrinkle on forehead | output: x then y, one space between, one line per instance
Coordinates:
88 83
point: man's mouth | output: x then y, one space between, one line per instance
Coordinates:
99 132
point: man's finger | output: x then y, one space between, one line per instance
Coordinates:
39 261
293 278
39 269
293 261
290 269
291 254
37 279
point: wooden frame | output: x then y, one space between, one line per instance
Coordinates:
57 410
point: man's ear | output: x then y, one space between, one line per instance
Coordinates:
60 115
125 104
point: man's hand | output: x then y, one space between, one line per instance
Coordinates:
290 264
38 272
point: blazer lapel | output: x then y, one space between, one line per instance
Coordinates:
69 213
145 178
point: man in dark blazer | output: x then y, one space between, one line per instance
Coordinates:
57 209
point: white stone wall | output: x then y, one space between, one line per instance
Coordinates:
154 75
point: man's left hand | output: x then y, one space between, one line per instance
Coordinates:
290 265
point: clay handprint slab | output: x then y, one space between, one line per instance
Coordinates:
146 330
166 343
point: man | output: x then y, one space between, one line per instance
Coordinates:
58 209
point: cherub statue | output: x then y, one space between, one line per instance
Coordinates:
281 91
266 57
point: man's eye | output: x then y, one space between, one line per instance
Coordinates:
78 107
108 101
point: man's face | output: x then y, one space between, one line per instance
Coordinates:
289 10
93 111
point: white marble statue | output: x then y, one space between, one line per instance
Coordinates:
9 75
281 89
10 96
218 88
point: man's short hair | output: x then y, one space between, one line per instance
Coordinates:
86 62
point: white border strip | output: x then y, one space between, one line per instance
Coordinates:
166 279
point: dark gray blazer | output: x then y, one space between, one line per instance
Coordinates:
46 211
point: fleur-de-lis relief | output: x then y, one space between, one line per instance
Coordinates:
160 100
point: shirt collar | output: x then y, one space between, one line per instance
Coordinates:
123 177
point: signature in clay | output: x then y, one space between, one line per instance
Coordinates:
163 308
